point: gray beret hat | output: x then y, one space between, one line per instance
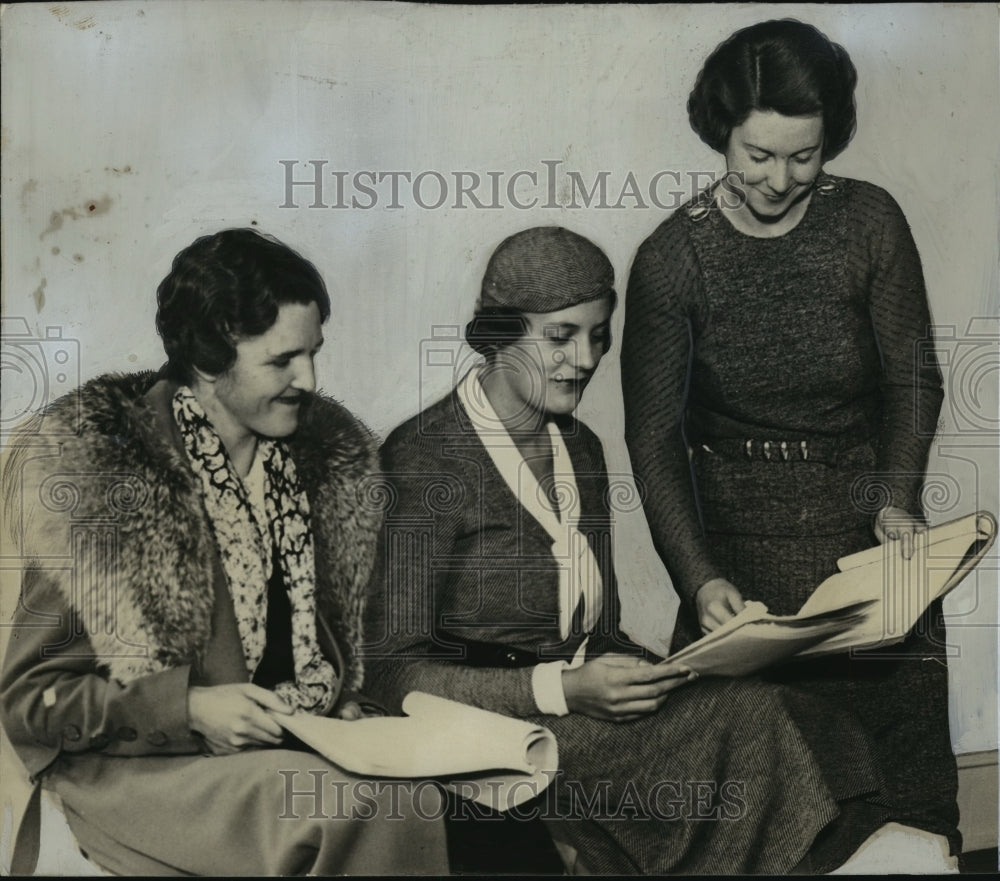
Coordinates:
545 269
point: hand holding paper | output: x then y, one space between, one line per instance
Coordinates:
874 600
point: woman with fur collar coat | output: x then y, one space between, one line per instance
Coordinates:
195 547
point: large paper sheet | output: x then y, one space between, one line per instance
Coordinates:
874 600
494 759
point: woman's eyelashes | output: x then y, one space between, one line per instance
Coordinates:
285 360
561 337
799 159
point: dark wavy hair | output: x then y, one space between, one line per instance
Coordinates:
225 287
785 66
494 327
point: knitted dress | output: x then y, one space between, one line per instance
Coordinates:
777 395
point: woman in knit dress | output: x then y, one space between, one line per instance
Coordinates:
494 586
777 415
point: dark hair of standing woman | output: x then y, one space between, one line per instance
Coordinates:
225 287
784 66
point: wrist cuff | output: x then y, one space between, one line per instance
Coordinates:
546 685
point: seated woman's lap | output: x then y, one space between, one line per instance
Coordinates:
270 811
730 766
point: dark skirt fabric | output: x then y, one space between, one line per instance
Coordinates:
727 778
768 530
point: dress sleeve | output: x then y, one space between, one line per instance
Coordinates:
911 379
408 587
664 289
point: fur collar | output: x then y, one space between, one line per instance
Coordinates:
122 470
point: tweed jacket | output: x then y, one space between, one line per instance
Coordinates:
124 602
461 560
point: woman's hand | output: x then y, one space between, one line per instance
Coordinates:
893 523
619 688
717 601
233 717
351 712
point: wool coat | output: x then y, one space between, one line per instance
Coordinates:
125 605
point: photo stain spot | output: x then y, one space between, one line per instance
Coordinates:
91 209
55 223
78 258
55 252
38 295
29 187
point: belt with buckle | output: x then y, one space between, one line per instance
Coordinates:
827 451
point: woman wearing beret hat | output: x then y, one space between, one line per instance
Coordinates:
775 410
495 586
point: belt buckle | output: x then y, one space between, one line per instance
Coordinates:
770 450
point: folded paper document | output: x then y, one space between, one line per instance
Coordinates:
874 600
488 757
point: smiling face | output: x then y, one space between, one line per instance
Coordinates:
546 371
261 394
779 158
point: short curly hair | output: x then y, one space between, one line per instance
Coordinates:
226 287
785 66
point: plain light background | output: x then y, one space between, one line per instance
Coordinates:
131 128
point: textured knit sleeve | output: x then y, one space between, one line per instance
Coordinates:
410 584
664 291
911 380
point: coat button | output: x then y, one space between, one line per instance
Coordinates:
71 733
99 741
157 738
127 734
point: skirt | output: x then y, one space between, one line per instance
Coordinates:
777 529
727 778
